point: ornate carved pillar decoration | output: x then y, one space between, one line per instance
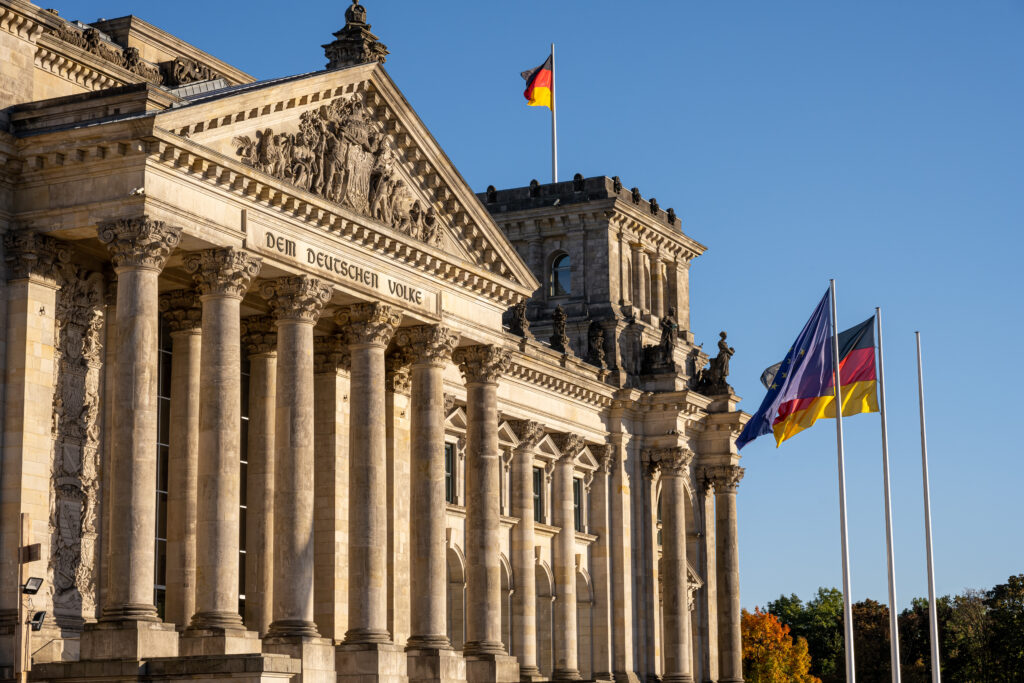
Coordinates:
296 302
566 659
449 404
600 555
368 328
183 314
222 277
482 366
397 375
31 255
524 563
675 469
730 645
354 44
559 341
429 348
139 248
259 341
520 324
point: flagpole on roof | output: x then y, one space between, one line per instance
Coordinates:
894 637
933 614
554 123
847 607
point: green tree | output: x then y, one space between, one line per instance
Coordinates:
820 622
770 654
1005 603
871 641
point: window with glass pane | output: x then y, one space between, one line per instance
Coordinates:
577 504
243 489
659 520
559 284
449 473
538 495
163 429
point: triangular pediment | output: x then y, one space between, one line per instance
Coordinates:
349 137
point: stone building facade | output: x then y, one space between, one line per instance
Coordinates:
284 400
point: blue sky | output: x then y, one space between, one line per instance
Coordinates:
879 143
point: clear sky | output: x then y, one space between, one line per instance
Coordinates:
877 142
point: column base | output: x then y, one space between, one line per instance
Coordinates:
603 676
255 668
566 675
133 640
209 642
530 674
316 656
491 668
626 677
371 663
677 678
435 666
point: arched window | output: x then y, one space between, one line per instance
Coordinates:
559 284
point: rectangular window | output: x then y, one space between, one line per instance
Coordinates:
538 495
577 504
243 489
449 473
163 431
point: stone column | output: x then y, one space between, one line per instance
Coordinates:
222 277
682 294
675 469
651 635
330 523
566 666
625 287
33 262
183 314
430 350
129 627
657 286
600 563
523 557
397 386
709 603
296 302
621 543
482 366
259 338
639 278
368 650
730 644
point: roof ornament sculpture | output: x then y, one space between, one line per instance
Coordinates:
354 44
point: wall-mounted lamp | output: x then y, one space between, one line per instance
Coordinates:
32 586
37 621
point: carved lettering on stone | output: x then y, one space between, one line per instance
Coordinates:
343 155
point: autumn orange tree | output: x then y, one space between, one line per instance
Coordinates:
770 655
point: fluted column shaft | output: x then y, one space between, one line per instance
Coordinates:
566 665
639 277
139 249
482 366
260 339
657 286
524 563
730 641
430 349
223 277
183 314
296 303
601 565
369 328
674 463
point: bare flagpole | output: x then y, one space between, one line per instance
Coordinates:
933 613
554 122
894 636
847 607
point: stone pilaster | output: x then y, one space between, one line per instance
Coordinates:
330 524
523 559
639 277
709 602
430 350
482 366
682 294
600 563
129 627
621 537
259 341
397 388
652 637
183 314
730 643
368 652
675 467
223 277
566 665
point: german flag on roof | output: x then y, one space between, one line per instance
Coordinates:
539 84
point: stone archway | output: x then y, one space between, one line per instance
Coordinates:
545 619
456 597
584 624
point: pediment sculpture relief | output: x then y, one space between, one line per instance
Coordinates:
344 156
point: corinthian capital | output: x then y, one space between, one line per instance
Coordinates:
296 297
428 344
674 461
29 254
181 310
605 455
371 324
139 242
259 335
528 432
726 477
569 445
482 364
223 272
397 378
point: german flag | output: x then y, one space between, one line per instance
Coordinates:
802 388
540 83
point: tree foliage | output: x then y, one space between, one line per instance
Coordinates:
770 655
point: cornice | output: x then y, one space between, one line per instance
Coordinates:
531 371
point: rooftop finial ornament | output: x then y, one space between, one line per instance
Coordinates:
354 44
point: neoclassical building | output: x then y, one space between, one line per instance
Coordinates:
283 399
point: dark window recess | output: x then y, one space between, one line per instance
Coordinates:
163 394
577 504
538 495
559 283
449 473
